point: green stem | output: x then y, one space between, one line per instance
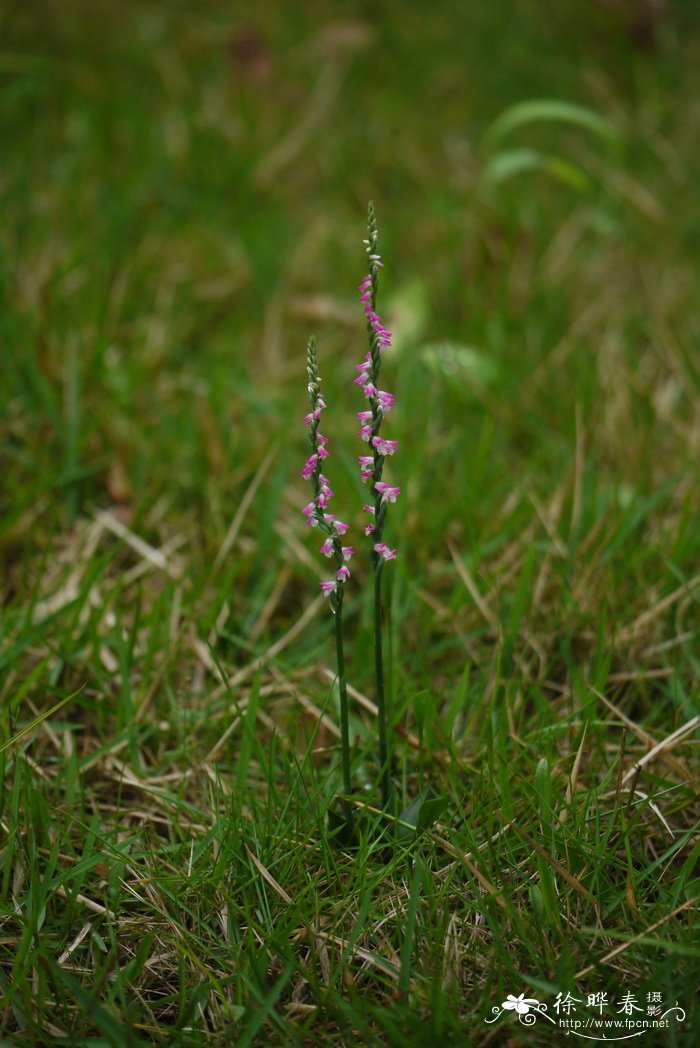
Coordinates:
343 693
381 698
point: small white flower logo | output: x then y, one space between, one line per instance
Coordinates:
520 1004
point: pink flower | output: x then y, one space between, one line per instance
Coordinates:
366 467
385 447
320 439
325 486
366 432
364 416
369 509
370 390
369 529
327 548
342 574
381 333
322 453
383 550
328 587
388 493
347 552
309 466
308 419
386 400
363 369
340 527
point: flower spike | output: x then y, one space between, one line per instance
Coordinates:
372 466
317 515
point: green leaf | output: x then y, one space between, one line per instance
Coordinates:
409 309
537 902
543 788
419 816
430 812
452 360
344 827
37 720
547 110
408 820
511 162
423 706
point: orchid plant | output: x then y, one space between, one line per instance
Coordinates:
317 515
372 471
382 494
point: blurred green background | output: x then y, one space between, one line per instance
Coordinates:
184 190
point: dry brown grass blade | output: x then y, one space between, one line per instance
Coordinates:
223 739
464 857
635 938
265 873
630 675
280 644
155 557
297 139
549 518
365 955
89 904
472 588
82 547
244 505
632 631
662 746
270 605
294 546
367 704
556 866
573 778
86 928
646 738
466 860
257 663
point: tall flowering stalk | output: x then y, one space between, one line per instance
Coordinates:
380 403
317 515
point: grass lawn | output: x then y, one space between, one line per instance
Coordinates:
184 190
